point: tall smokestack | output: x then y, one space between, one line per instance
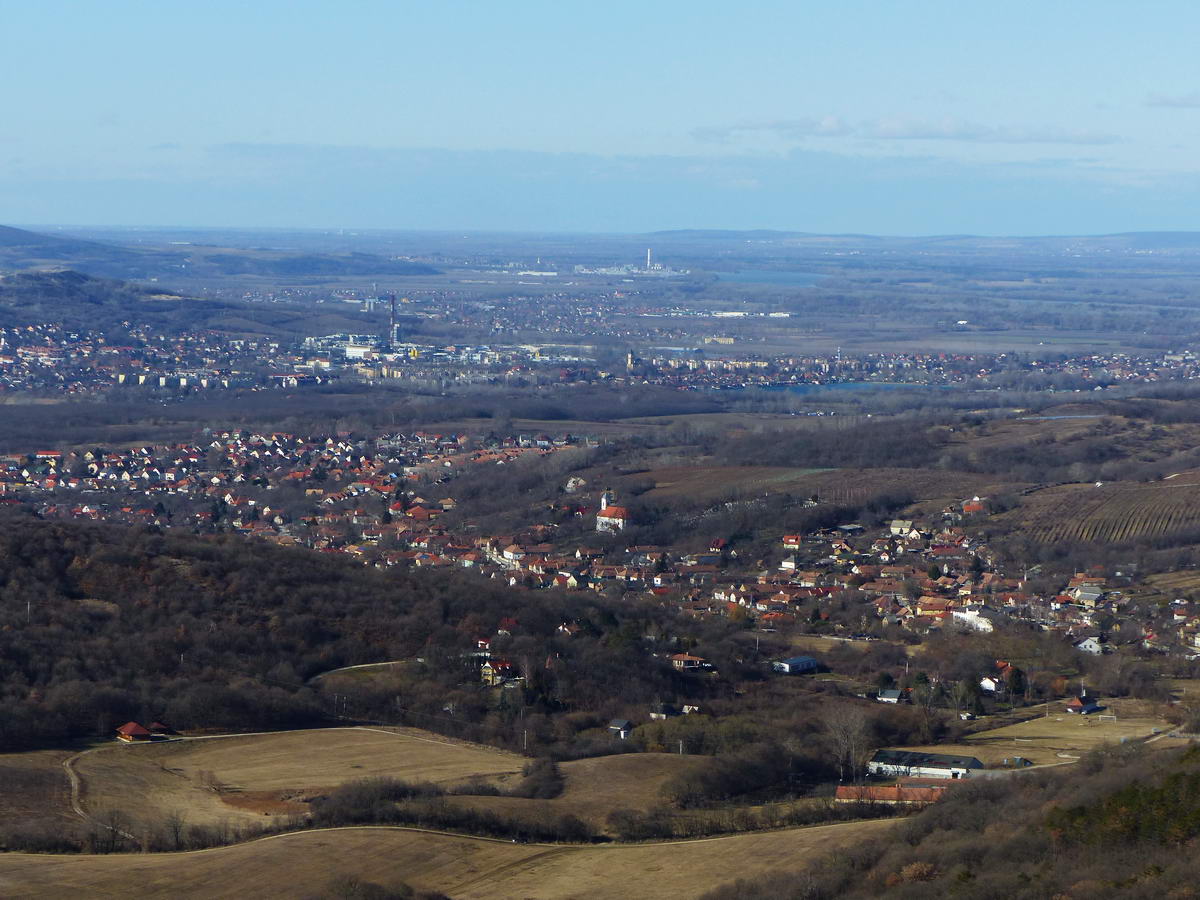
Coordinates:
647 259
391 341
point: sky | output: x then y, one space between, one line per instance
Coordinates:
881 117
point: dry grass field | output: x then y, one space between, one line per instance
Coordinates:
268 773
1173 584
1042 740
593 788
702 482
1112 513
34 790
302 865
830 485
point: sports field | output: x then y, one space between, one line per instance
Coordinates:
1058 738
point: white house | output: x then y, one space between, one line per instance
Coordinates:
976 617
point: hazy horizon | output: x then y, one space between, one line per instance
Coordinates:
851 118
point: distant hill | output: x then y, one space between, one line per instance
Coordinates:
1163 241
84 302
21 249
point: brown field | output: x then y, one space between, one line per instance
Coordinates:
1042 740
1186 690
1173 584
743 421
1076 421
264 774
302 865
550 426
34 790
819 643
830 485
1112 513
857 485
594 787
710 481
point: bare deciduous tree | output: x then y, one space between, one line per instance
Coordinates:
849 731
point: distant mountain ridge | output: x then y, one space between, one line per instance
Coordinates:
22 249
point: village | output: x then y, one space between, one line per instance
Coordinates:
387 501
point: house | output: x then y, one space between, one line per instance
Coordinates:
893 763
685 662
1091 645
496 671
620 728
796 665
132 732
894 695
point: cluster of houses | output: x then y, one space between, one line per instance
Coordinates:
50 358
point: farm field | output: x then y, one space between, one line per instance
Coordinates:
1111 513
267 773
1173 584
858 485
303 864
704 482
830 485
1041 740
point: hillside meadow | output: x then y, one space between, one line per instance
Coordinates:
243 777
308 864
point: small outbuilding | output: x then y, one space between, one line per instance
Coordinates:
132 732
796 665
620 728
1083 706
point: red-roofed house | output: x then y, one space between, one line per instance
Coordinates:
131 732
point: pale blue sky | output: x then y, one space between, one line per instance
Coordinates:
896 117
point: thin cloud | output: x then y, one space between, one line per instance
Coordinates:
905 129
1175 101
